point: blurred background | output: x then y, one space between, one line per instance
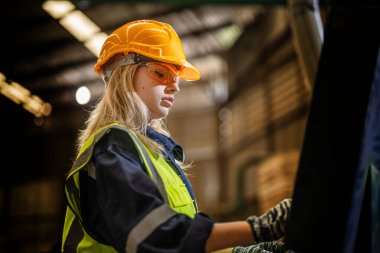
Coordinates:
241 125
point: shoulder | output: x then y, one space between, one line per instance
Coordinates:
115 138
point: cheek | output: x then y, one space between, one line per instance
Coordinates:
139 79
141 84
150 95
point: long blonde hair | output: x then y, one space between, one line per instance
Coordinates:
121 104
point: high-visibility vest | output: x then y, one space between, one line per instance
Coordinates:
173 190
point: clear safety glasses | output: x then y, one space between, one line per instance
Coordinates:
162 73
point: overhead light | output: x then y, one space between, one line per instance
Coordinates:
83 95
34 105
20 95
58 9
15 92
79 25
95 43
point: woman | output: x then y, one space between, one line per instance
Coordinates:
127 187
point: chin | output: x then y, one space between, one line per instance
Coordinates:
161 114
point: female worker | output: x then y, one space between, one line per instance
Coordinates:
127 187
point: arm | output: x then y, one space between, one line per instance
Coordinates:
229 234
268 227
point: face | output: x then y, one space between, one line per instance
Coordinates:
157 96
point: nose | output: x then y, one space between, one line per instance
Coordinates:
173 88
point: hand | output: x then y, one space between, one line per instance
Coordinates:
271 225
264 247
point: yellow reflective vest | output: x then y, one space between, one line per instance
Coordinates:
173 190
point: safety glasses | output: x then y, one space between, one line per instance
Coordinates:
162 73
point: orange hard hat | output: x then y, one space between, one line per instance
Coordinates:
150 38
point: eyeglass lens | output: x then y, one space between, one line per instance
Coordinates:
161 73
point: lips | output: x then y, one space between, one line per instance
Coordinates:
168 101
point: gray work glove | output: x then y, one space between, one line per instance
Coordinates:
263 247
271 225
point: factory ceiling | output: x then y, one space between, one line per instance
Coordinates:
41 55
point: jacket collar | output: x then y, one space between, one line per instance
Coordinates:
172 148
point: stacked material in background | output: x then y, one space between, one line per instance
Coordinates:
275 179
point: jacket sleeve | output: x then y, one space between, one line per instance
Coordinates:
123 194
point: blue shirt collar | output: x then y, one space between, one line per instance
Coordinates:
172 148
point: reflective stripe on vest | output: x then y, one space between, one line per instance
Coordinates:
165 179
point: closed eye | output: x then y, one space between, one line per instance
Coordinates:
159 74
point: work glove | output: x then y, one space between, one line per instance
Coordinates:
271 225
263 247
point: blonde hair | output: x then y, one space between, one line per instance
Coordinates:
121 104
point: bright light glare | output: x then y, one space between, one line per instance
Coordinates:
83 95
16 92
79 25
76 23
58 9
95 43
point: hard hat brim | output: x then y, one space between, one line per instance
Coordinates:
189 72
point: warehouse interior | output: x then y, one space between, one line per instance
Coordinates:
242 125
